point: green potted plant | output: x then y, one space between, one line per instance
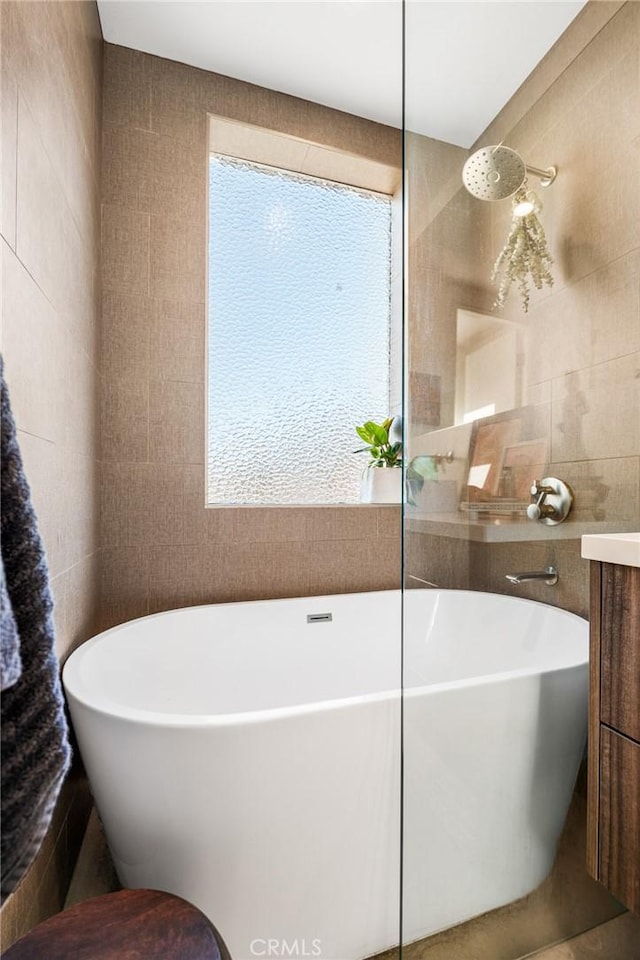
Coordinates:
382 476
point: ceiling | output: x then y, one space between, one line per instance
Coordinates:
464 60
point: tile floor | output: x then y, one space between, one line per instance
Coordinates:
486 938
618 939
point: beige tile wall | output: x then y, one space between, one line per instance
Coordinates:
580 350
163 549
51 73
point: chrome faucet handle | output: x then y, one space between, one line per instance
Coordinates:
539 486
539 510
553 500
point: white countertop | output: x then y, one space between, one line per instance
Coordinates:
612 548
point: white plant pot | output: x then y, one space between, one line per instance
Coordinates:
381 485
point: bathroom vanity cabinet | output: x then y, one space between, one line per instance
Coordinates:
613 812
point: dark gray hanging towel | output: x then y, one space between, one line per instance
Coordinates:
10 663
35 746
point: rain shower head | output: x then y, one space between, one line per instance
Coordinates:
495 173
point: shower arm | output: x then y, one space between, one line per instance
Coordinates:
546 176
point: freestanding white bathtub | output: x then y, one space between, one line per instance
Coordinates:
249 760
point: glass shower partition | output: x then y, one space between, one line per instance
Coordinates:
492 405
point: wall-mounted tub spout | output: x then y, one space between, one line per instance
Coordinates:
549 575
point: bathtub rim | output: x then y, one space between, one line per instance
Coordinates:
207 721
153 718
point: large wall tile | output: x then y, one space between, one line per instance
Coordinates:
177 107
44 226
76 594
390 521
586 334
125 585
433 177
139 173
126 326
173 594
60 95
310 524
220 522
64 490
127 169
345 523
219 573
604 490
352 566
177 341
617 294
271 525
9 149
213 567
36 348
43 472
183 197
125 507
82 46
127 87
160 504
438 561
277 570
176 422
81 421
165 505
125 420
595 412
125 251
571 338
178 251
591 234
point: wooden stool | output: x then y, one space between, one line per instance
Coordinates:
127 925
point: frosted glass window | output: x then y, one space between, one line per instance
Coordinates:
299 295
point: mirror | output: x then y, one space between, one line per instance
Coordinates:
486 366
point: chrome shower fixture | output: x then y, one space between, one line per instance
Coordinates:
495 173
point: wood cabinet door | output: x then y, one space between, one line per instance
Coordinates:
620 649
620 817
